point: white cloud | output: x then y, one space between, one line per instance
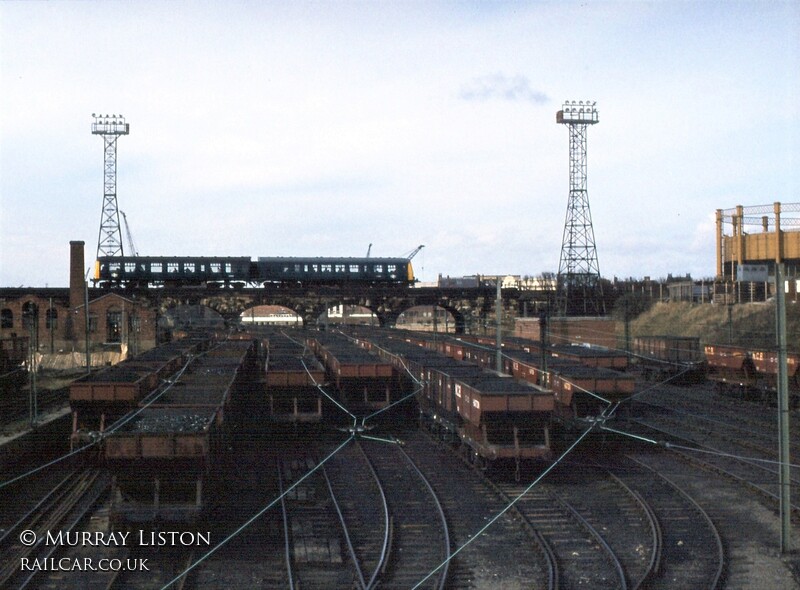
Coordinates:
499 86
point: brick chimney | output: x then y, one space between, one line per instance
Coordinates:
76 274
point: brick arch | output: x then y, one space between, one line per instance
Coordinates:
252 314
325 316
182 316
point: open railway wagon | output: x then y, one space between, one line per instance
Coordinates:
362 378
751 374
291 374
495 417
579 390
165 458
582 379
590 356
678 358
99 399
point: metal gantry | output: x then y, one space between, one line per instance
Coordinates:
579 287
110 127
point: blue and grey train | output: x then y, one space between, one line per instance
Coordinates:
265 271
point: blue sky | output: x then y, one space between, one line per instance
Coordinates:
278 129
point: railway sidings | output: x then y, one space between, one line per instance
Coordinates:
305 466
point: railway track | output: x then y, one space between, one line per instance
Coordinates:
714 433
704 401
625 520
420 539
687 546
162 566
509 554
748 528
15 409
361 499
724 456
61 510
256 557
746 425
583 556
315 531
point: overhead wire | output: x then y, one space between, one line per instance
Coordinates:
257 515
111 429
669 445
508 507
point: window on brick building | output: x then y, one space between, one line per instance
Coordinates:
6 318
30 315
113 325
51 319
92 322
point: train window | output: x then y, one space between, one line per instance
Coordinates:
297 268
189 267
327 268
215 267
353 268
228 267
6 318
130 267
172 267
156 267
315 268
305 268
113 268
391 267
340 267
379 268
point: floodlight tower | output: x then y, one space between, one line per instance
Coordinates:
109 241
579 289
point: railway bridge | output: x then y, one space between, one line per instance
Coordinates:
471 308
59 319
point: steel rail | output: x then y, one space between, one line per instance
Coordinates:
720 551
610 555
382 560
287 543
350 549
87 480
544 547
445 532
751 484
657 538
39 505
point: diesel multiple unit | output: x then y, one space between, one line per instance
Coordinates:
238 270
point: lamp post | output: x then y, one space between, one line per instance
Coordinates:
579 288
110 127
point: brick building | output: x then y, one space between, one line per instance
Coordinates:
55 319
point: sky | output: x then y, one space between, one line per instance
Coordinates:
319 128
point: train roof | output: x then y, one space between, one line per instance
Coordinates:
310 259
331 259
171 258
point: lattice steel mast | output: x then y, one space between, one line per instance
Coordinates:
580 291
109 241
